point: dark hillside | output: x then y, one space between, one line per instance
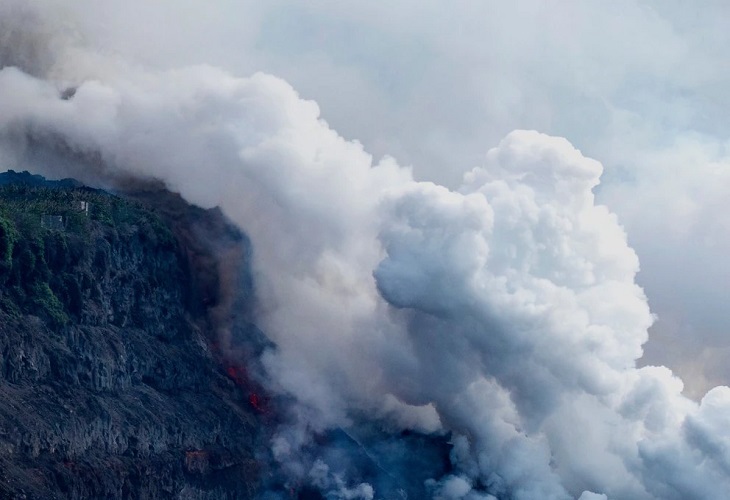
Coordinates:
112 383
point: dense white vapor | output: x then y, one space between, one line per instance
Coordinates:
640 84
505 311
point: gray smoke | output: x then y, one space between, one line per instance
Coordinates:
25 38
503 314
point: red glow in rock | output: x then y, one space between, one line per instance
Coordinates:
253 398
238 374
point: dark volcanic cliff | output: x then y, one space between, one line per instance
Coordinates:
112 379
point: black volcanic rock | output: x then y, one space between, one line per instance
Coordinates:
112 379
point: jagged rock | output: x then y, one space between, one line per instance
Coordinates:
110 386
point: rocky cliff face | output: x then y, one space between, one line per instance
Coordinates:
113 382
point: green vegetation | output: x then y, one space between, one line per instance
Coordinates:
26 205
8 237
45 300
42 263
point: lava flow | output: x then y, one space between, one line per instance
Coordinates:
240 377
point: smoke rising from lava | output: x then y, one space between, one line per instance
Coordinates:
504 312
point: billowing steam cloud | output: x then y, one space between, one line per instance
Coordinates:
504 312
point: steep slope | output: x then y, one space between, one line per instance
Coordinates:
112 373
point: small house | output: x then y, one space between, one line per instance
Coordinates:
55 222
82 206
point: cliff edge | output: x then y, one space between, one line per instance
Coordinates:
112 380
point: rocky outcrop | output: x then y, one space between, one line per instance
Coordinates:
113 382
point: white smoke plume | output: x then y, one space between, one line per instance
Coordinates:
504 312
639 84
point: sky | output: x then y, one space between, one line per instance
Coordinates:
638 85
510 218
